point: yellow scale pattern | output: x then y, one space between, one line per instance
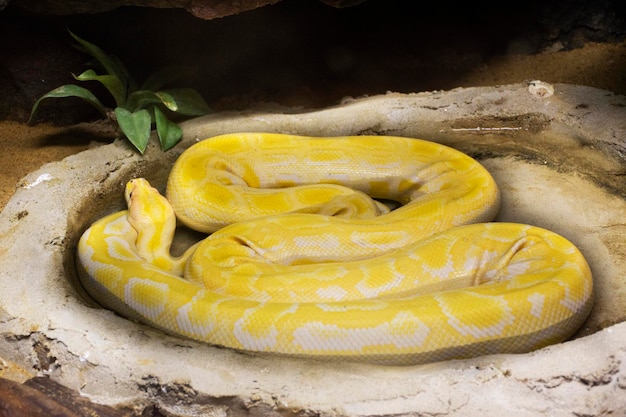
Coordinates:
302 260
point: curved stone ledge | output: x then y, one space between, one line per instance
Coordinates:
559 160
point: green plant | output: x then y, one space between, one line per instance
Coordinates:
137 108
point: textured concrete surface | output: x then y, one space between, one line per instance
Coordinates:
558 154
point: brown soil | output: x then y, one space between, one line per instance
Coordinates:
24 149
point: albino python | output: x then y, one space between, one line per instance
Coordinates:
301 261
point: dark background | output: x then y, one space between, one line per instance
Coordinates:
296 52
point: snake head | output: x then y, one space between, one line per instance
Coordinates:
151 215
136 186
146 204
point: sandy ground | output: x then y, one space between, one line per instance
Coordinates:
25 148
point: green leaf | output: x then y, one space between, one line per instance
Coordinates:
168 131
188 101
71 90
136 126
144 98
111 82
168 101
141 99
111 65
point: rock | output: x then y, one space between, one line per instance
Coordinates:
204 9
559 160
42 396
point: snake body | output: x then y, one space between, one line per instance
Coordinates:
302 261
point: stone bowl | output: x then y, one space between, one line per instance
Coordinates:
559 156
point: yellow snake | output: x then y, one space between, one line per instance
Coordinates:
301 261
